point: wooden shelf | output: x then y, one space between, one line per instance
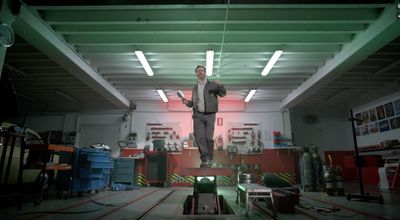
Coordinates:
58 167
51 166
61 148
50 147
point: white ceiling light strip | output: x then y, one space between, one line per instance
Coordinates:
66 96
271 62
250 95
209 62
143 61
162 95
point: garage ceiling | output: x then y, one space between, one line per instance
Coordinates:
75 58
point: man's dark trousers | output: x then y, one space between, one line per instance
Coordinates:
203 124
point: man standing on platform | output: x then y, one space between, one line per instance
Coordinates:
205 104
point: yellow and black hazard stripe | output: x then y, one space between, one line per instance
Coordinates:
172 177
224 181
189 179
140 179
287 177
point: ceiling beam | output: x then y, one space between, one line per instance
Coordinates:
36 32
382 31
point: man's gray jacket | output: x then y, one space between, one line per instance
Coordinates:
211 93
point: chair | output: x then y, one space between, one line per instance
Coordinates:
7 190
390 169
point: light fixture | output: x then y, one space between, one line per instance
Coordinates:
66 96
250 95
162 95
271 62
209 62
208 178
11 68
144 62
336 94
27 97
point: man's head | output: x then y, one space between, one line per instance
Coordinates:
200 72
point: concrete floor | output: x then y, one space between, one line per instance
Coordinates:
135 203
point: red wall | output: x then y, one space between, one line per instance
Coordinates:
270 160
345 159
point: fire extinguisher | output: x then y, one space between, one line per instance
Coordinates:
219 142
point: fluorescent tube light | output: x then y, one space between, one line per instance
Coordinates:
162 94
271 62
250 95
11 68
144 62
209 62
27 97
66 96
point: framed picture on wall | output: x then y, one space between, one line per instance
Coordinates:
373 128
389 109
384 126
397 107
372 115
364 130
358 116
365 117
358 131
380 111
395 123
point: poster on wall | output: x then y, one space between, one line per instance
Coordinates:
358 116
357 131
382 118
380 125
397 106
365 118
372 115
384 126
364 130
395 123
380 110
373 128
389 109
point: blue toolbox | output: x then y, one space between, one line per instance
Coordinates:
91 170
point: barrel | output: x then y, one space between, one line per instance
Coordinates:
247 178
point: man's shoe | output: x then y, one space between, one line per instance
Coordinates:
206 164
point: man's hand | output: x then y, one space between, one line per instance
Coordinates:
185 101
217 82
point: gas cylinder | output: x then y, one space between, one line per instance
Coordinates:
219 142
339 181
306 169
329 180
318 172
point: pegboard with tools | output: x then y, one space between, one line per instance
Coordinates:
168 133
244 138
